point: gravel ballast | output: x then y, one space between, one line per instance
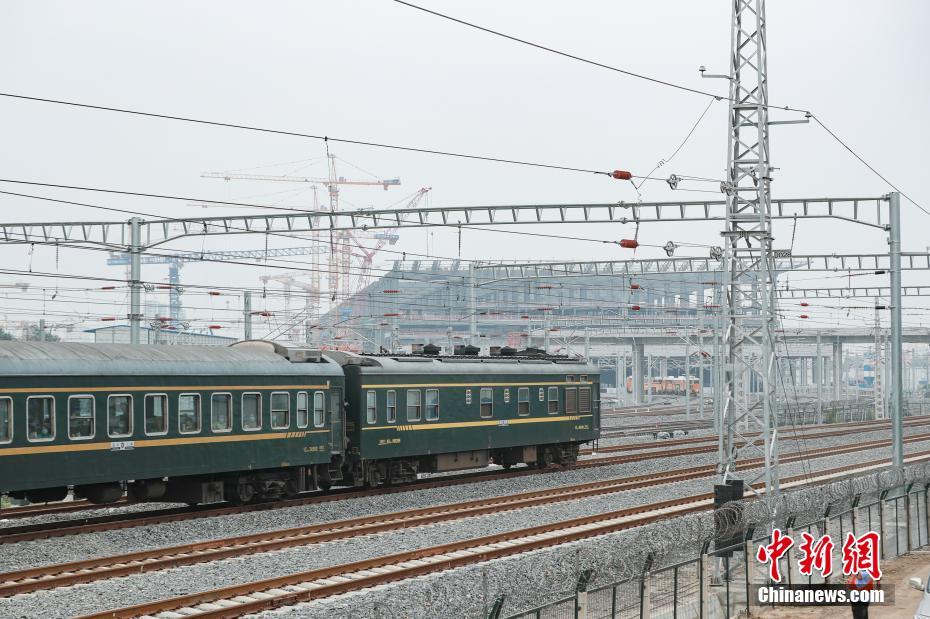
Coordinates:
146 587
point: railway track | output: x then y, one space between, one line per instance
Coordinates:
812 432
48 577
257 596
14 534
11 535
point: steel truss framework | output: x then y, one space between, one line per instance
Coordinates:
748 427
840 263
867 211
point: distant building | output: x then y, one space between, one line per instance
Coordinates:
119 334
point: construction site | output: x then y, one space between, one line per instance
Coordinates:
449 311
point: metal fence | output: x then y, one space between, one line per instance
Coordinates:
713 586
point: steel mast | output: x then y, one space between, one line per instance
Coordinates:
747 261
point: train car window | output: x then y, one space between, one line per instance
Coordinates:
583 378
189 413
40 418
391 406
319 409
251 411
303 409
156 413
432 404
371 407
6 420
553 400
280 410
487 402
570 378
81 417
523 401
413 405
119 416
221 412
584 400
571 400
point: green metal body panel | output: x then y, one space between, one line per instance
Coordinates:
62 461
460 426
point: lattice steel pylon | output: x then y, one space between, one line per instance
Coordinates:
748 269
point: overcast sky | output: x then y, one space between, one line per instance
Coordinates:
376 70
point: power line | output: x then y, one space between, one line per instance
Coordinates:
324 138
866 163
551 50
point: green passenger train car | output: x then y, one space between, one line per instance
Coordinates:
413 414
181 423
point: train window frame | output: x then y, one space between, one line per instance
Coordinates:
434 405
145 409
54 433
199 409
9 420
306 409
391 414
321 409
229 408
93 417
583 378
570 378
287 411
131 411
490 402
523 397
550 400
371 407
418 406
542 394
258 396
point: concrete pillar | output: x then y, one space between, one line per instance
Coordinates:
649 377
639 350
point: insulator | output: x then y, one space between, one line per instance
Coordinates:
390 291
635 308
108 319
804 316
213 293
163 287
545 309
805 304
214 327
544 287
634 286
524 316
622 175
108 288
629 243
392 314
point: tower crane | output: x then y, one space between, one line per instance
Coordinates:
177 260
342 242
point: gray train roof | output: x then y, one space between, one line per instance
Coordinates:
67 358
376 364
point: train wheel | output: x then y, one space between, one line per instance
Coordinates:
544 459
374 477
243 493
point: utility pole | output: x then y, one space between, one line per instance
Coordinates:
878 368
473 306
135 280
750 292
897 359
247 315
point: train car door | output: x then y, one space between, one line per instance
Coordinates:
337 428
